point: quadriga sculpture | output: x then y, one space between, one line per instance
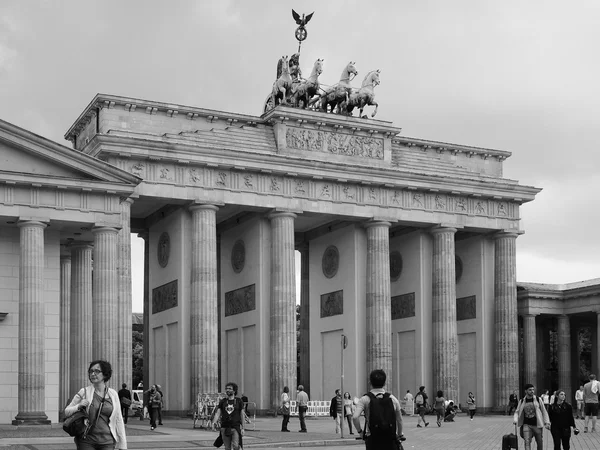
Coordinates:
364 96
308 90
339 92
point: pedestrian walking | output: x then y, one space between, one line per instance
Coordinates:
162 402
230 412
532 417
154 400
302 402
421 405
107 429
561 421
285 408
383 416
579 402
125 401
471 405
590 398
439 407
513 401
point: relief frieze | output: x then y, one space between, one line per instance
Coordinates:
240 300
164 297
332 304
466 308
403 306
335 143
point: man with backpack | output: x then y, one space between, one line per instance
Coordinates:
231 414
532 417
421 406
383 418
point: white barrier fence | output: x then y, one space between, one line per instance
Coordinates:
320 408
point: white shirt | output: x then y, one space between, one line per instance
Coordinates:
579 395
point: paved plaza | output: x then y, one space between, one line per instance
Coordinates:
484 433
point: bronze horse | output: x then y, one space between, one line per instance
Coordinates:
340 92
365 95
309 88
282 87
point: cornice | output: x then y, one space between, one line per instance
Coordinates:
152 107
455 149
484 188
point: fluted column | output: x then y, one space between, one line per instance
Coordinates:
443 309
105 296
32 376
64 391
378 301
530 350
564 354
123 364
304 318
506 360
598 343
283 305
80 353
203 307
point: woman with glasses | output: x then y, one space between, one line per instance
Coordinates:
106 430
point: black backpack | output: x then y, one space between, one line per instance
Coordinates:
382 416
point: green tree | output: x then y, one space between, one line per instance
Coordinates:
138 358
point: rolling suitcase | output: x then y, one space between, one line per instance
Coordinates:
511 440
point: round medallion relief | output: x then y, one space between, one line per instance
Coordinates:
458 264
331 261
164 249
238 256
395 265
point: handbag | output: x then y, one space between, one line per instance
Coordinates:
125 401
76 424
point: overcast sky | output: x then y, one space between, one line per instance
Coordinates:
521 76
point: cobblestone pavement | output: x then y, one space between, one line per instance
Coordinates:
483 433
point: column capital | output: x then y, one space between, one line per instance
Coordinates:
437 229
105 228
205 206
81 244
31 223
507 234
277 214
377 223
144 235
129 200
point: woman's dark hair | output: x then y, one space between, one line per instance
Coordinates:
470 393
286 389
421 388
105 367
440 393
347 393
557 393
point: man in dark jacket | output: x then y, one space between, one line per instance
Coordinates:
335 409
162 402
124 393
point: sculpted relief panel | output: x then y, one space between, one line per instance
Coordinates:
322 189
335 143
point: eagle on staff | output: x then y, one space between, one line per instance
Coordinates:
301 32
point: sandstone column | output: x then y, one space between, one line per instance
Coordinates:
506 359
203 307
283 305
80 353
564 355
64 391
443 309
379 301
122 374
530 351
304 318
32 373
105 298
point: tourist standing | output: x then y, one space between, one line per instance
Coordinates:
125 401
162 402
546 399
285 408
230 412
590 398
532 416
336 409
579 402
103 408
409 402
388 405
421 405
302 402
471 405
348 409
438 405
561 421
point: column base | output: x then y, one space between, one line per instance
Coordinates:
31 418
